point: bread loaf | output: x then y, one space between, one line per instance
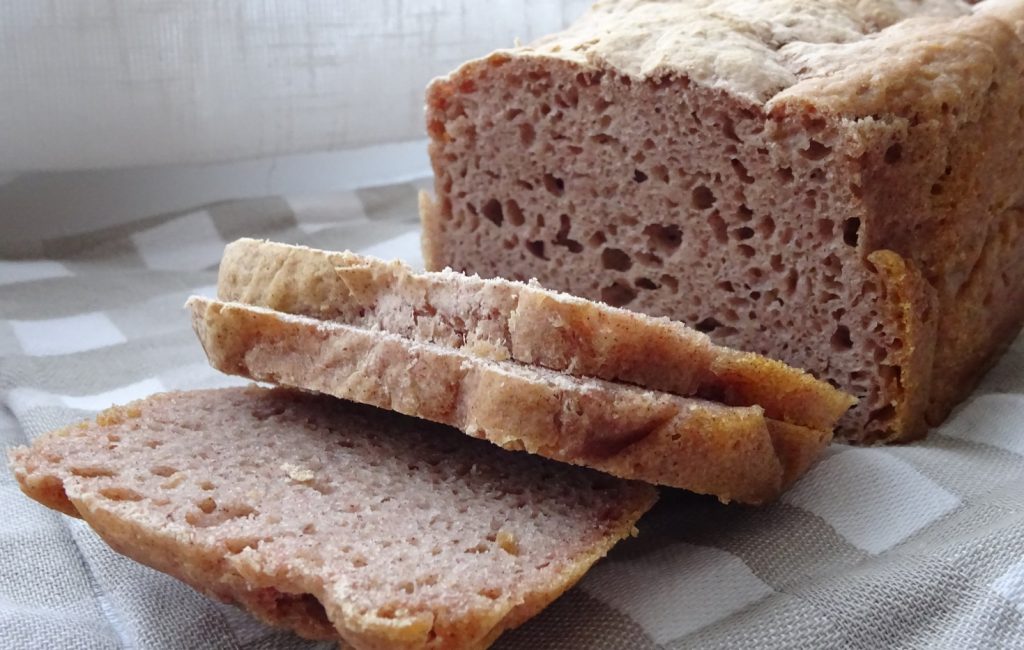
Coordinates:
336 520
734 453
839 185
501 320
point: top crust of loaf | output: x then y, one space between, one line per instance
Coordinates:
333 519
500 319
751 49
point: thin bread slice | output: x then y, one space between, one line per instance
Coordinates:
731 452
502 319
334 519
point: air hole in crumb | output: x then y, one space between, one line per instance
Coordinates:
492 212
663 237
744 213
492 593
766 228
729 129
117 493
206 485
618 294
207 505
236 545
815 151
894 153
785 174
562 236
776 263
597 239
639 176
162 470
718 228
884 414
554 184
707 325
702 198
536 248
743 233
841 340
526 134
92 472
670 281
515 214
741 171
851 231
645 283
615 259
825 228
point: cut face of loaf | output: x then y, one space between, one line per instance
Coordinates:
733 453
500 320
837 185
336 520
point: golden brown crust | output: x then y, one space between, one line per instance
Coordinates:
912 305
623 430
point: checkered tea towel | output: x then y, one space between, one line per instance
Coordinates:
916 546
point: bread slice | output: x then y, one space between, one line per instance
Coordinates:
731 452
334 519
838 185
502 320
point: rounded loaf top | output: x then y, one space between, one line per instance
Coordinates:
752 49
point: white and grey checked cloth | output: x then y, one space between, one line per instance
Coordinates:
918 546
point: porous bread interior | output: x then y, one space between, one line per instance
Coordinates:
764 225
334 519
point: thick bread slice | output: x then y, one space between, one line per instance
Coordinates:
500 319
333 519
657 437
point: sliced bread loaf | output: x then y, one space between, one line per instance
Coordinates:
839 185
731 452
501 320
336 520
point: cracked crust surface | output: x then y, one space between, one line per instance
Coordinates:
333 519
734 453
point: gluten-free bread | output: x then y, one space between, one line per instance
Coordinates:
838 185
336 520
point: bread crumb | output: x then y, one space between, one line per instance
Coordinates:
297 473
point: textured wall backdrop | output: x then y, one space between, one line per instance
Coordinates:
114 83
